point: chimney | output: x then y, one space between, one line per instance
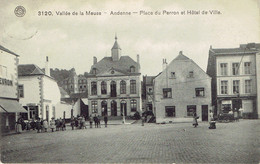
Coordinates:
164 65
47 68
94 60
138 59
180 53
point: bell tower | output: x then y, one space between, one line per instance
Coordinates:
116 51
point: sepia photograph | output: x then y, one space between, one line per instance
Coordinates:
130 81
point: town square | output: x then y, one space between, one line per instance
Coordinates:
130 81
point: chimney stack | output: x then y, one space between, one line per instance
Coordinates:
180 53
138 58
164 65
47 68
94 60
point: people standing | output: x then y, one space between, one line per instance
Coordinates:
28 125
38 125
241 110
33 124
63 124
195 122
90 121
98 122
84 123
19 125
57 123
45 125
105 120
52 124
72 122
95 121
236 115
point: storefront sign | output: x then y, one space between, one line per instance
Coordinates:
6 82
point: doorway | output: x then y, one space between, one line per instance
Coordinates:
204 112
104 108
123 108
113 108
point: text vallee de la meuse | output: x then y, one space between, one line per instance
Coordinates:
141 12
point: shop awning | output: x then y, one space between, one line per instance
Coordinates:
11 106
85 101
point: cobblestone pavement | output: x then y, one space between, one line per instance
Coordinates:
237 142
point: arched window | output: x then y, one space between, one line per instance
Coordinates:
113 88
133 105
132 69
93 88
123 108
94 106
132 87
103 88
122 87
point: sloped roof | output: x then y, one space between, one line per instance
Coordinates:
244 48
29 69
79 95
123 65
149 80
116 46
8 51
63 93
181 57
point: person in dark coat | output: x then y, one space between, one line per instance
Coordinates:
72 122
195 117
105 120
63 124
33 124
57 123
96 121
38 125
90 121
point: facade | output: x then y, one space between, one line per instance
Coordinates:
114 86
179 89
70 84
235 76
10 108
147 95
40 95
82 84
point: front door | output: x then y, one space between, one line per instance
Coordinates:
204 112
113 108
104 108
123 108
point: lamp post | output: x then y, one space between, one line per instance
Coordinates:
123 115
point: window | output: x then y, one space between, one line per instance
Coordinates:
173 74
94 106
235 70
247 86
132 86
80 87
191 74
150 90
170 111
200 92
133 105
235 86
103 88
71 86
94 71
247 66
223 68
167 93
122 87
20 91
85 86
132 69
224 87
93 88
191 109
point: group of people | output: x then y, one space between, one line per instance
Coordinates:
42 125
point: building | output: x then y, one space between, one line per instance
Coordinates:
179 89
147 95
82 84
114 85
235 76
40 94
10 109
71 83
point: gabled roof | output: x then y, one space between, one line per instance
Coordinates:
29 69
181 57
122 65
8 51
63 93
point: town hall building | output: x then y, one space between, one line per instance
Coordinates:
114 85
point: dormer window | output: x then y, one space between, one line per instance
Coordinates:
94 71
132 69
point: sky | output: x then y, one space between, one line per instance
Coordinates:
72 41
